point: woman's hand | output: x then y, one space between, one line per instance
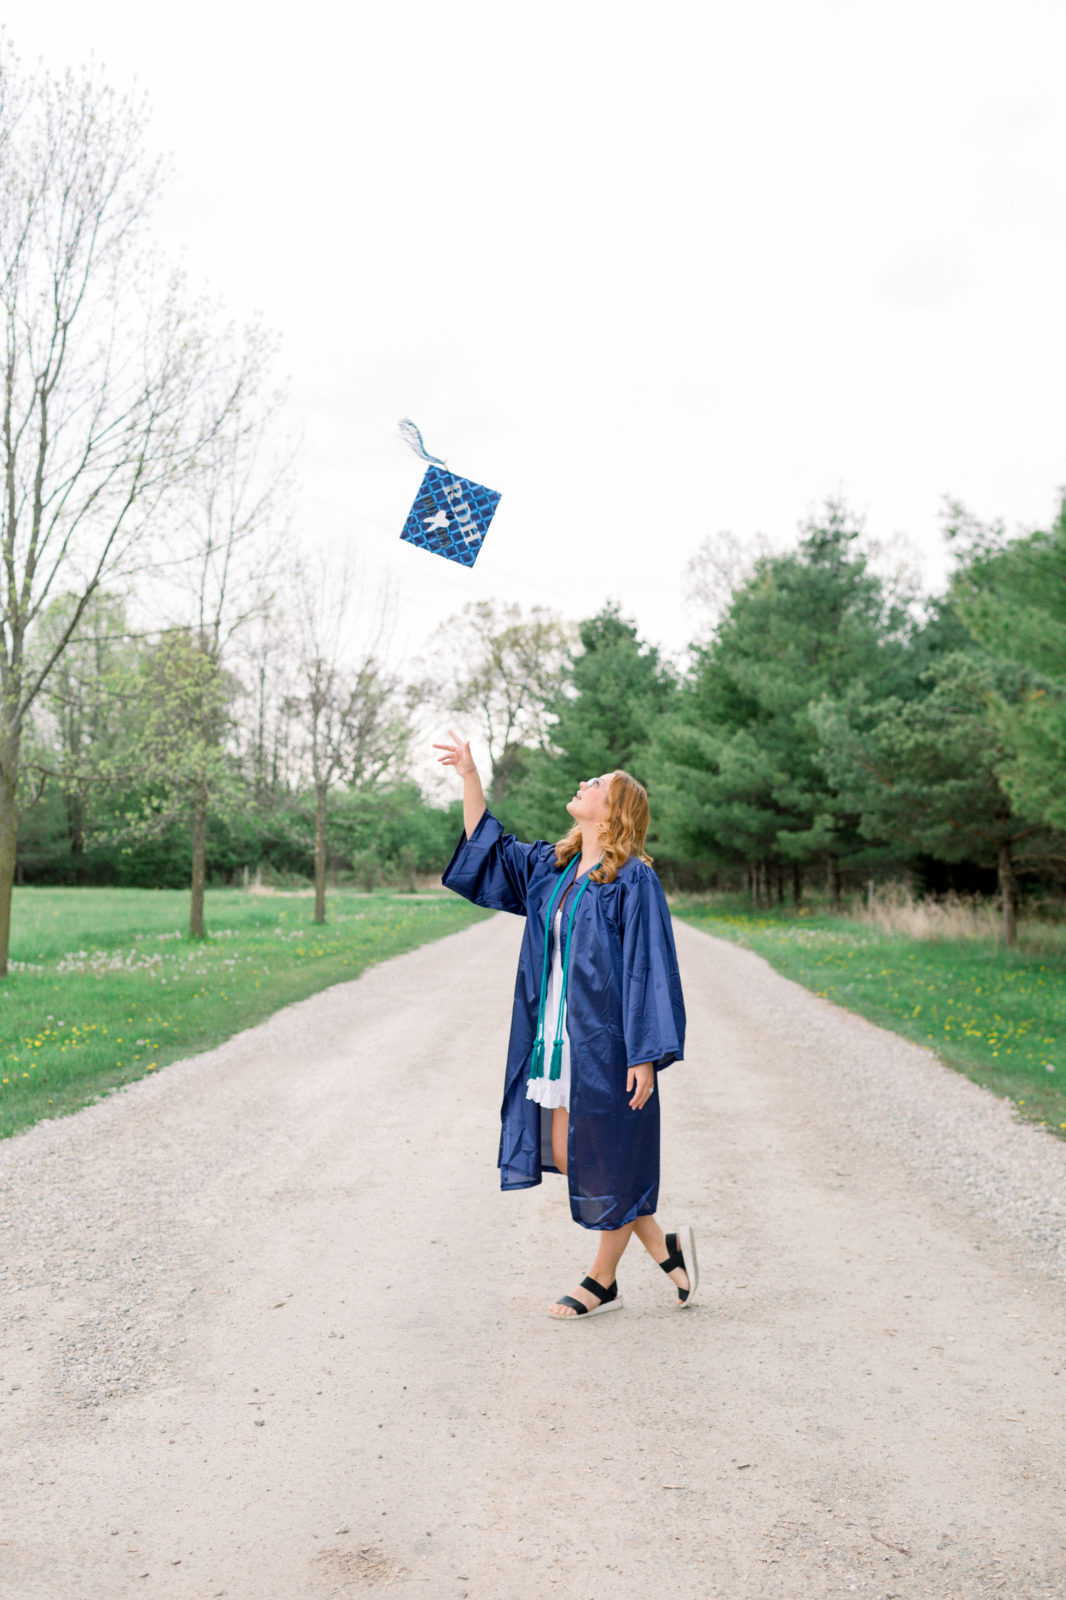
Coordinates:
640 1082
457 755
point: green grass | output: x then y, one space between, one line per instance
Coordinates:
105 985
997 1015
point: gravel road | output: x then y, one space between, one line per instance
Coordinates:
271 1332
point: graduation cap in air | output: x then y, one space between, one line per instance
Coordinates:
451 515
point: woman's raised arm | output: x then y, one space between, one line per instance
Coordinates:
458 755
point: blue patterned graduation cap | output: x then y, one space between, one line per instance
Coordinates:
451 515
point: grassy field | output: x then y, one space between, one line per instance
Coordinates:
105 986
997 1015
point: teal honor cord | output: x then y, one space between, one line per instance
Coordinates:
536 1065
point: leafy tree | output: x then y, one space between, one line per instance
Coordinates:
388 834
614 691
185 701
741 761
617 687
925 772
79 716
1012 596
384 835
717 808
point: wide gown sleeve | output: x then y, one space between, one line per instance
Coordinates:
653 1009
493 869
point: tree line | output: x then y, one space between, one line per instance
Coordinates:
829 726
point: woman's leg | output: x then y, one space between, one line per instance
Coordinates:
612 1248
609 1254
653 1239
560 1136
611 1244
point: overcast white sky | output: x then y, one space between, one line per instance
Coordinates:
650 271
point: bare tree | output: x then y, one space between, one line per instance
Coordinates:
722 564
229 539
265 666
112 385
348 703
504 670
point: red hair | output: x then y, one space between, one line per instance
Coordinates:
622 833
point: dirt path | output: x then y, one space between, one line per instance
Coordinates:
270 1331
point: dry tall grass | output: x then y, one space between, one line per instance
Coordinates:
895 909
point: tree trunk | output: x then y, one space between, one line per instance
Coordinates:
260 739
834 883
797 883
753 884
503 773
1008 893
199 854
76 835
779 883
320 852
9 828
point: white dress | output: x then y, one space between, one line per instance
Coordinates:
552 1092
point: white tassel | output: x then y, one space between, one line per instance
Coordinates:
411 435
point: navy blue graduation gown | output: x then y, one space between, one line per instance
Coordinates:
624 1007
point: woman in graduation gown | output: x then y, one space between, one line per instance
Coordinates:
598 1014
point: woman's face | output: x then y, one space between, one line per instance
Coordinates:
592 801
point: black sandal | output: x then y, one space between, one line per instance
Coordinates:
682 1248
610 1300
